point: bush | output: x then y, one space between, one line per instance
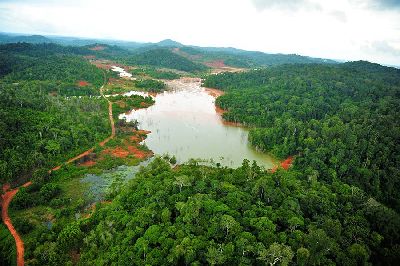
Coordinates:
49 191
22 225
22 200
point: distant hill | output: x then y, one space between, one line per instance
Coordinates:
263 59
222 56
4 38
165 58
169 43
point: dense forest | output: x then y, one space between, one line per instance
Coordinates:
340 121
220 216
338 204
43 119
246 59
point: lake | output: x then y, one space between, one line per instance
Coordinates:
184 122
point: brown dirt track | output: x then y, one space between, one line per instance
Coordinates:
8 195
5 202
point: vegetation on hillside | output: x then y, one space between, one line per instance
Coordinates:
165 58
154 73
122 104
151 85
222 216
337 205
40 126
341 121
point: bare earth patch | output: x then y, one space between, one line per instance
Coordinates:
88 163
216 64
97 48
82 83
214 92
286 164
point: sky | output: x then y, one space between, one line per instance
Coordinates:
339 29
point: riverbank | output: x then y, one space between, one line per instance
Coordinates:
185 122
9 195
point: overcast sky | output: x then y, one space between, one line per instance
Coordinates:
339 29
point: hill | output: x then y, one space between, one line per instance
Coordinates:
203 55
165 58
5 38
169 43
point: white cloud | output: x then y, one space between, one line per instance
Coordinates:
341 29
283 4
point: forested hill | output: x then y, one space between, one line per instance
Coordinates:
169 53
242 58
341 121
165 58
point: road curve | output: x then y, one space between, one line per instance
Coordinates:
7 197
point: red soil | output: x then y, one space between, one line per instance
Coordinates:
130 146
6 187
274 169
117 152
86 153
82 83
8 196
135 139
216 64
138 153
55 168
143 132
144 105
286 164
102 64
110 116
214 92
153 94
5 202
88 163
232 124
219 110
97 48
120 152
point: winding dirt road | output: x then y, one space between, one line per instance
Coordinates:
110 117
7 197
5 202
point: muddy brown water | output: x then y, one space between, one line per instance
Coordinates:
183 122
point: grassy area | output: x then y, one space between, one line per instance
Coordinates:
119 86
123 104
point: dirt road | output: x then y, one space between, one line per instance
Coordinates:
9 195
110 117
5 202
